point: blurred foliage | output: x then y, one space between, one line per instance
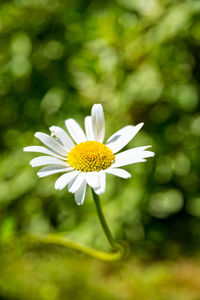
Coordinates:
141 60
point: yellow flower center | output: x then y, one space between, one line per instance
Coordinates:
90 156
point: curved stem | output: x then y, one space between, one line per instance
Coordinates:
61 239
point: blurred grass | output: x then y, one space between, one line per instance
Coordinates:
54 273
140 59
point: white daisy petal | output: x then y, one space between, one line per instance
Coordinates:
75 131
51 143
63 180
98 122
118 172
62 135
49 170
44 150
77 183
131 156
47 160
80 194
93 179
89 128
71 183
122 137
102 187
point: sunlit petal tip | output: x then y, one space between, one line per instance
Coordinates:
53 127
150 153
146 147
80 194
53 131
97 106
119 172
97 112
37 134
99 191
25 149
140 124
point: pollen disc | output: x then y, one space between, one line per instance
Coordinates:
90 156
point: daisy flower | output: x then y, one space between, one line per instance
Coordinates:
84 158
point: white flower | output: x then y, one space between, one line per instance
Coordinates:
84 159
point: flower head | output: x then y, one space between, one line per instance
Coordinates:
83 157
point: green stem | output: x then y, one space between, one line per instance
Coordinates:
61 239
103 222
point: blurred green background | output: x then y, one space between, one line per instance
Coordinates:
141 60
